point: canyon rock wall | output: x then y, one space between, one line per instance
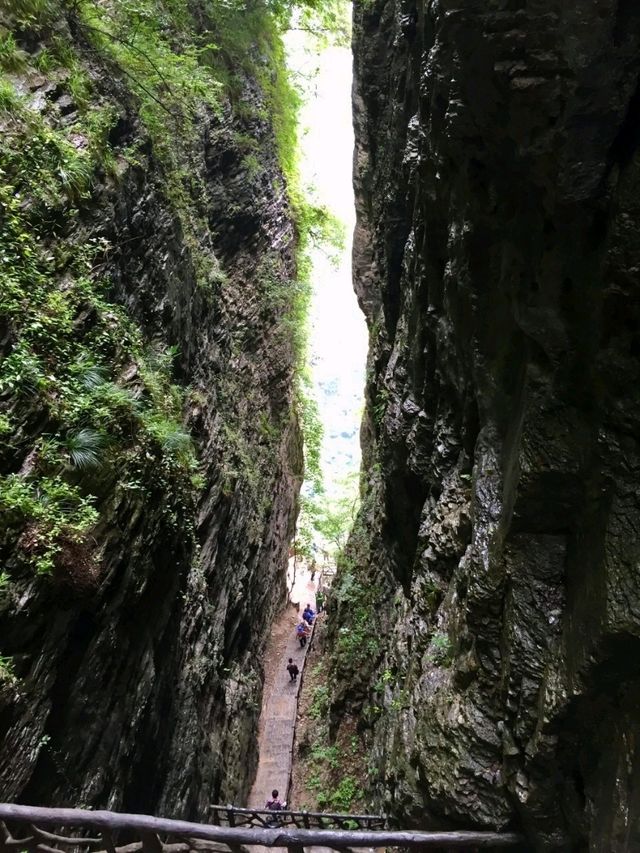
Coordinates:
495 558
131 674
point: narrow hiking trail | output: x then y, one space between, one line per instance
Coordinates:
278 717
280 697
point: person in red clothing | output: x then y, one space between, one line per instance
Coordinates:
302 632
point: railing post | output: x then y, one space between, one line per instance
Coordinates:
107 840
150 842
231 817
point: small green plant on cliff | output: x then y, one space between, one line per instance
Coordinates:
320 702
342 796
54 510
380 405
7 672
383 680
83 448
11 57
441 650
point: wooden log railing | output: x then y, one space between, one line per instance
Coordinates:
41 830
236 816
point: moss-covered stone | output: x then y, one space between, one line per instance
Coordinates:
149 437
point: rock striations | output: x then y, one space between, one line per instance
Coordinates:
131 674
496 257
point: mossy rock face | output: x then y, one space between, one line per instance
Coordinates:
149 443
495 255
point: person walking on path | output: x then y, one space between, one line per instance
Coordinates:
319 600
302 632
308 614
293 670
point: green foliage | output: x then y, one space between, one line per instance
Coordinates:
83 448
11 57
108 397
7 672
33 13
383 680
380 405
309 415
340 799
319 703
440 649
357 644
326 520
9 100
326 754
55 509
335 516
73 370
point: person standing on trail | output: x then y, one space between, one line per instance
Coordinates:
308 614
292 670
275 804
302 632
319 600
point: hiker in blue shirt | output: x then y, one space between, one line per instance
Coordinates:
308 614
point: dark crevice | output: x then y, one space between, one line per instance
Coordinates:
627 141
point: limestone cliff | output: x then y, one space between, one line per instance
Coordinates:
492 579
149 443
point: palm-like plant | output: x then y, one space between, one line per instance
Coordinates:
92 376
83 448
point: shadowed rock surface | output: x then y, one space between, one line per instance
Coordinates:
496 256
139 689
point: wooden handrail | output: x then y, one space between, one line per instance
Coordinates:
300 818
149 828
341 815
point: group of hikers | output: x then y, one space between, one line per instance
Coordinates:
303 631
303 628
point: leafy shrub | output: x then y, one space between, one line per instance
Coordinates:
440 649
320 702
54 510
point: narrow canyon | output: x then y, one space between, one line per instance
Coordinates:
478 665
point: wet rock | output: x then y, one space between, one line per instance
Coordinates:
496 257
